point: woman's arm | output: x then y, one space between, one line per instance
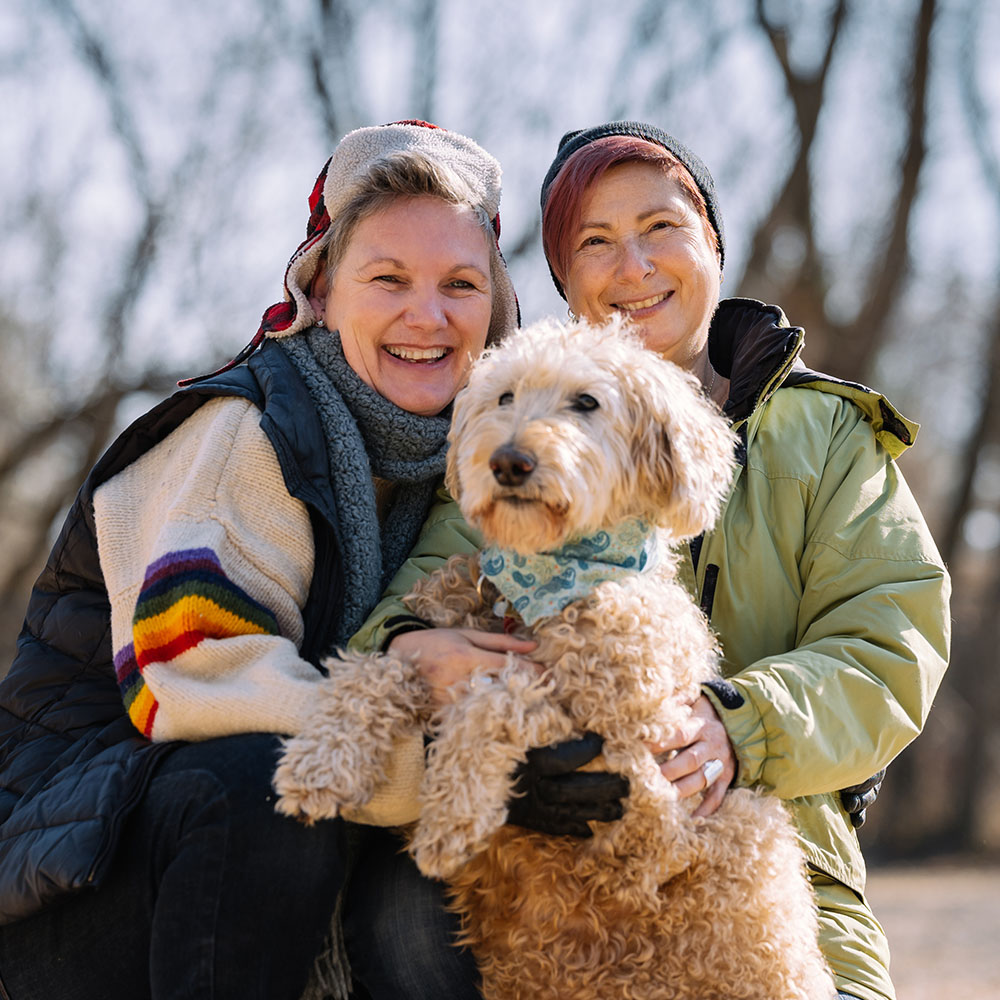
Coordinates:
871 634
207 561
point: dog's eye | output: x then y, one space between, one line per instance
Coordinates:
584 403
506 399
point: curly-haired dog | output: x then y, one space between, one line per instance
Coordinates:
582 457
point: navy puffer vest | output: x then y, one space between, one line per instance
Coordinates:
72 766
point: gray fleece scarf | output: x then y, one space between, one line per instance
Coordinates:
367 435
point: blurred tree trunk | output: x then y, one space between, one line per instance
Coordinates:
936 794
332 59
972 675
846 349
960 736
800 290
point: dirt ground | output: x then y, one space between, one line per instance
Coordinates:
943 923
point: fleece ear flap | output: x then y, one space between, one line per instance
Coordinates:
685 454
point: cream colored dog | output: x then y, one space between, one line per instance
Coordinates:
568 439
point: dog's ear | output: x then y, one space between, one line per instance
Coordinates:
683 451
459 418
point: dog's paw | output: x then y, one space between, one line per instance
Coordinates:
310 784
441 854
446 837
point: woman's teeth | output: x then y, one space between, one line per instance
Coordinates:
418 353
644 304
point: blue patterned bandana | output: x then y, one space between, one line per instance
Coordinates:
541 585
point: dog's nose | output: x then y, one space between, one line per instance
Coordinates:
510 466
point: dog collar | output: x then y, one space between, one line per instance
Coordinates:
540 585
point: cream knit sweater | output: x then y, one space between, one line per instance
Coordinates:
208 561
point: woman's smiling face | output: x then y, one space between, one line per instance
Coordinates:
412 299
641 249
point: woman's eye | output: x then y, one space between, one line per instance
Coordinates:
506 399
391 278
585 403
462 284
594 241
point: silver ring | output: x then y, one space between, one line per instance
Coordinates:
711 769
480 682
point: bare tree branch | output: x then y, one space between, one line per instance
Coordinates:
95 56
806 91
333 72
977 115
802 292
425 45
35 439
713 35
858 341
986 430
794 203
645 31
987 427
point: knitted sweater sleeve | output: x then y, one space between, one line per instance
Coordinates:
207 561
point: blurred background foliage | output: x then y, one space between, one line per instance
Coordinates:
158 156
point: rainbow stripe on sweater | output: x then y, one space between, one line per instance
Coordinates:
186 597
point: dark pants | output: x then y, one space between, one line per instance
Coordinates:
214 895
398 933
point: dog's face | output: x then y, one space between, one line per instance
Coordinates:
565 430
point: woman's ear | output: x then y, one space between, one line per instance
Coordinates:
318 291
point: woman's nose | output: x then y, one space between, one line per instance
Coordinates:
426 311
634 263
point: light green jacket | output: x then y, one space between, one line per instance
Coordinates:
831 603
827 593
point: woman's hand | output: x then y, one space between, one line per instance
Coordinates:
553 797
701 738
447 656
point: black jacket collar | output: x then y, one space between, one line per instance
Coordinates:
750 343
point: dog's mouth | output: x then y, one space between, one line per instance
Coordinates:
520 501
523 522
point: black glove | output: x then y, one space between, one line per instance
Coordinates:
551 796
858 798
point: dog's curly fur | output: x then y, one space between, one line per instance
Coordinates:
659 905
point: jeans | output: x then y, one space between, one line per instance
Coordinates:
211 894
214 895
398 933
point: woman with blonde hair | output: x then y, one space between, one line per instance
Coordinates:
226 542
